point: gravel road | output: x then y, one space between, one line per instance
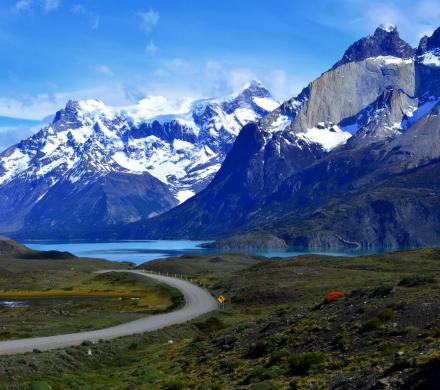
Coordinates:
197 302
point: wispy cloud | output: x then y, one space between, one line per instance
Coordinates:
149 20
419 19
151 48
216 78
28 5
413 20
22 6
51 5
105 70
93 18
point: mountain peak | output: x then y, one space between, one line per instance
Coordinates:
387 27
429 43
253 95
254 83
384 42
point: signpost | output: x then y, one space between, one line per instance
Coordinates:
221 300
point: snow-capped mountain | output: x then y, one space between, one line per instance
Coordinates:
161 152
352 160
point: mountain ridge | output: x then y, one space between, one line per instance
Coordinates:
277 176
156 154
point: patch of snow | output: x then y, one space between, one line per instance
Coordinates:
388 27
431 58
329 137
135 166
184 195
389 60
416 113
182 145
266 103
280 123
14 164
245 115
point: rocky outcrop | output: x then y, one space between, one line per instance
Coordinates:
384 42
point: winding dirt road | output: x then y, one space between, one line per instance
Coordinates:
197 302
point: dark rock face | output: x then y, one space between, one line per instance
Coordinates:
429 43
384 42
117 198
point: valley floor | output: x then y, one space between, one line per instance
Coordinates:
275 332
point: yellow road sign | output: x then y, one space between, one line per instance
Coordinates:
221 299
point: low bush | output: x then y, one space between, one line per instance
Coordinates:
210 325
372 324
229 365
417 280
386 315
258 349
381 291
276 358
173 385
301 363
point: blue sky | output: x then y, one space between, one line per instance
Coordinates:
120 51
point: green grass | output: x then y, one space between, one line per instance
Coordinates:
64 294
275 331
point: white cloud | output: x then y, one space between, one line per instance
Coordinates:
22 6
93 18
149 20
151 48
160 73
51 5
105 70
27 5
41 105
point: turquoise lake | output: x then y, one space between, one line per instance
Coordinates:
141 251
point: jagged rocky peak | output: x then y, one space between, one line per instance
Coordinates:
429 43
428 51
253 95
384 42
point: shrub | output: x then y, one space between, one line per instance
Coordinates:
276 357
417 280
210 325
381 291
40 385
334 295
258 349
386 315
134 345
371 324
266 385
387 347
174 385
301 363
229 365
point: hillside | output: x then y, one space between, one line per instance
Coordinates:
276 330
